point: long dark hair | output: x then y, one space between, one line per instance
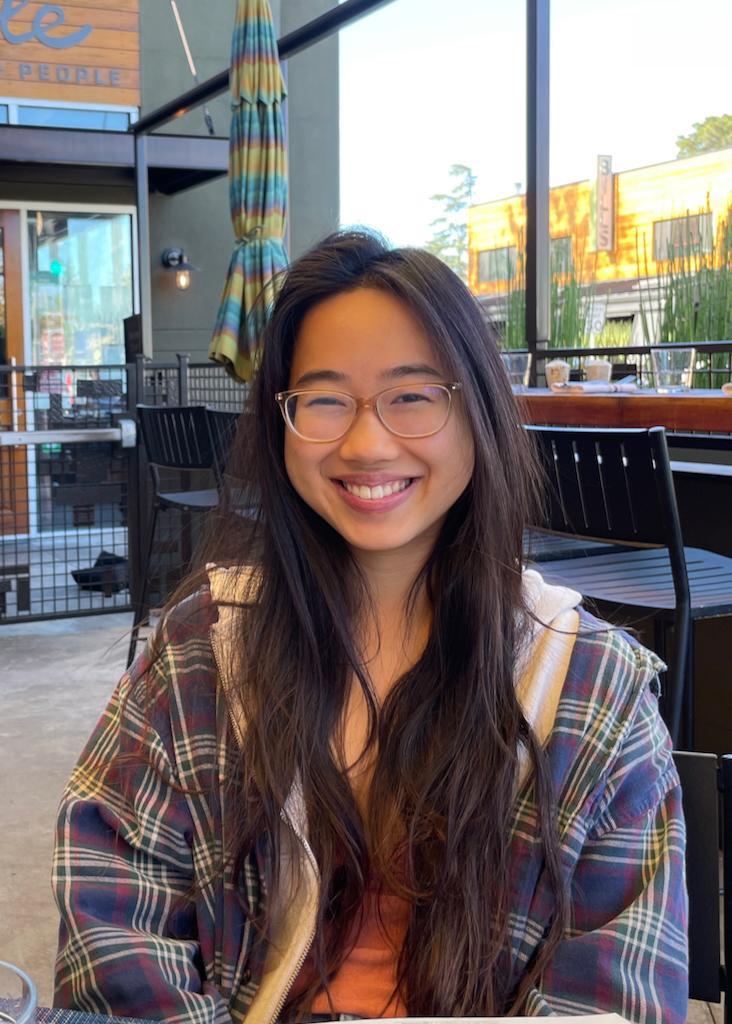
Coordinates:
448 737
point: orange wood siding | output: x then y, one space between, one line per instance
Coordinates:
104 67
642 197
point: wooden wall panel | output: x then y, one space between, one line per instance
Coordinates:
103 67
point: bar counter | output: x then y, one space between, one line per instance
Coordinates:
690 411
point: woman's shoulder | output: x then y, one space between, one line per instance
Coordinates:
609 702
609 669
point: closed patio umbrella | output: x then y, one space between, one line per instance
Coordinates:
257 189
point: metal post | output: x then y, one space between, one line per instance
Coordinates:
183 361
537 181
143 242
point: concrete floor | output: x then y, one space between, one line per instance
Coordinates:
56 679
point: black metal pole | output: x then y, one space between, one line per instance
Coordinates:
142 189
294 42
537 180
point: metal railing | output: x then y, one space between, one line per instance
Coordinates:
74 486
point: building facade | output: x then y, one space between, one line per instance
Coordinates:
617 234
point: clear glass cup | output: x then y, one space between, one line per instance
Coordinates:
672 369
17 995
518 365
598 369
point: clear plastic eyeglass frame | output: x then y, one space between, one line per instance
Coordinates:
282 397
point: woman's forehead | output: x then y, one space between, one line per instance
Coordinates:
365 331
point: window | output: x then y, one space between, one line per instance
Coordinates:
497 264
72 117
3 113
682 236
80 286
561 255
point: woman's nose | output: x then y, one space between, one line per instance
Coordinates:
367 439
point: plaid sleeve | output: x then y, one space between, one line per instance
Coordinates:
626 948
124 873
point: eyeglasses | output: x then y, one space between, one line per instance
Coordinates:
407 410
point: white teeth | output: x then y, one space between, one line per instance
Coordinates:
374 493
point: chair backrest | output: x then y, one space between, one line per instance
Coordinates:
176 436
613 485
703 780
222 428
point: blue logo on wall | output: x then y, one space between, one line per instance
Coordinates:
48 18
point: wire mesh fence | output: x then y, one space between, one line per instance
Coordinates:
63 492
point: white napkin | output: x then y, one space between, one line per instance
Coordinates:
594 387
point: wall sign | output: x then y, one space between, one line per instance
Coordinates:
602 213
73 50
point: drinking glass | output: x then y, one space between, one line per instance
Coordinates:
17 995
672 369
517 366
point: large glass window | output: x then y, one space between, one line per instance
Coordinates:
71 117
641 168
432 120
80 286
3 327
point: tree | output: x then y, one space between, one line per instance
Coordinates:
450 230
710 134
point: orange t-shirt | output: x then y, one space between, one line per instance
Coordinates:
365 983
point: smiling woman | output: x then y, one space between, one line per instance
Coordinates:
370 766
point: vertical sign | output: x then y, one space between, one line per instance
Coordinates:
602 212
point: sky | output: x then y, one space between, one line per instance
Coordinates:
428 83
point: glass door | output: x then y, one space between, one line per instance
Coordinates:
13 461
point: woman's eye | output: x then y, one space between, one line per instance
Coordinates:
317 401
409 397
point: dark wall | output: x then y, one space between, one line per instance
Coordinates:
196 220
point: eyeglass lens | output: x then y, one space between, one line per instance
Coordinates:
410 411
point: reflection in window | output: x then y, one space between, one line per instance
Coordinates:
497 264
80 286
561 255
682 236
69 117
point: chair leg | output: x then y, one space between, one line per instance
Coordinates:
140 604
677 679
687 724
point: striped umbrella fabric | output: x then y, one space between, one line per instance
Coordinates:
257 189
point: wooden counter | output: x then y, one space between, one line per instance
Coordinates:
707 411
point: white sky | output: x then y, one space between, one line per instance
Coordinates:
428 83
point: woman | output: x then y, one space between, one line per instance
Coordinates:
370 768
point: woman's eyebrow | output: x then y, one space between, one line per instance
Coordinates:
317 376
393 373
412 369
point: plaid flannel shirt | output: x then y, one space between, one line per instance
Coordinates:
152 924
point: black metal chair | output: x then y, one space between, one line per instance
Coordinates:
175 439
704 780
222 430
616 485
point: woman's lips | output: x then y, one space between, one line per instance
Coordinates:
374 504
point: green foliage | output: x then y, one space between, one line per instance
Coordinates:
691 298
570 298
450 230
707 136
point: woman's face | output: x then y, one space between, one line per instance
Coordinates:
361 342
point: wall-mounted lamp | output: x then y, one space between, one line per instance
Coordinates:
175 259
